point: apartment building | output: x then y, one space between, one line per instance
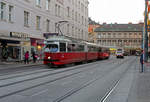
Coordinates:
23 23
127 36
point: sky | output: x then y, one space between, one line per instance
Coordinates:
117 11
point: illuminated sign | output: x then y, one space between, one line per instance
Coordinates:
19 35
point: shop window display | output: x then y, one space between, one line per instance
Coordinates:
13 53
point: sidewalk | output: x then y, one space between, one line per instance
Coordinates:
140 91
18 64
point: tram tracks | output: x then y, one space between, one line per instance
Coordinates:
116 83
34 76
48 70
73 91
39 84
8 71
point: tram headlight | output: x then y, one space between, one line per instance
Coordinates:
49 57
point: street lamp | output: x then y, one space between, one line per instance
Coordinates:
58 24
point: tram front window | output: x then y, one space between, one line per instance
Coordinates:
51 48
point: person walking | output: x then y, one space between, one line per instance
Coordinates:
142 62
34 57
27 57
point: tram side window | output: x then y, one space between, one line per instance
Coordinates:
95 49
62 47
74 47
69 47
100 50
90 49
80 48
103 49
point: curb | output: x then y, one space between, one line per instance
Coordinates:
17 66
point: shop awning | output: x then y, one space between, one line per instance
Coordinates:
12 40
37 41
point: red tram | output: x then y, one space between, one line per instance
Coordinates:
60 51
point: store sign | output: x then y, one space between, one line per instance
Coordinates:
61 1
19 35
47 35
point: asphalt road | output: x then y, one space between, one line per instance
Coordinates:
90 82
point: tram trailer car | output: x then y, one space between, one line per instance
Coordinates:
61 51
91 50
104 53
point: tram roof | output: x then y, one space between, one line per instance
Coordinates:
58 38
93 44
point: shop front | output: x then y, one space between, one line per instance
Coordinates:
13 46
37 46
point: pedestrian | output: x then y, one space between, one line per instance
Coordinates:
27 57
142 62
34 56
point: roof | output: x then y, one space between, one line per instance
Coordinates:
120 28
58 38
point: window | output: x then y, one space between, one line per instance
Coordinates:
47 4
27 0
79 18
47 25
62 47
114 35
82 19
2 11
38 2
68 29
99 35
125 35
72 14
56 10
68 11
109 35
11 13
82 34
26 18
38 18
79 5
76 16
80 48
73 31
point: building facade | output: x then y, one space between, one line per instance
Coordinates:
23 23
92 35
127 36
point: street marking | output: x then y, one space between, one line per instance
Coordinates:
109 93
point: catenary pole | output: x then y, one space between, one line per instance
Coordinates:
146 33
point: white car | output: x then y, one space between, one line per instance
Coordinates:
120 53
